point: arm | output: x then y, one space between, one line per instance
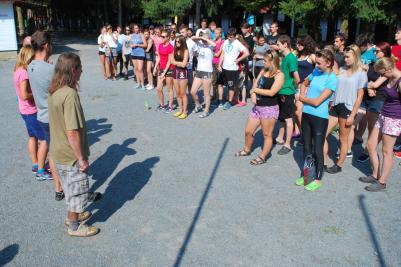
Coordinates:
144 44
316 101
244 56
350 119
156 64
197 39
150 44
218 53
74 139
183 63
170 59
295 74
221 59
376 84
24 86
278 83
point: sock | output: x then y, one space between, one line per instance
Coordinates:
40 171
73 225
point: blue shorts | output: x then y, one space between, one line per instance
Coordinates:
374 106
33 126
46 130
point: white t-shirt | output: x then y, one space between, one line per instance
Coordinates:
191 45
207 30
126 43
99 41
205 57
110 41
231 53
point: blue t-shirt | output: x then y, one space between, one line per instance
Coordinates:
120 41
319 81
368 56
137 51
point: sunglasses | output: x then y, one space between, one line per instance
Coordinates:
164 36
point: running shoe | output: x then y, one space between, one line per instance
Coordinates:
204 115
161 108
168 110
349 154
334 169
138 86
363 158
197 109
299 181
44 176
221 105
397 154
143 88
149 87
312 186
34 169
241 104
227 106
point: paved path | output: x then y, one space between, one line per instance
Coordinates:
174 194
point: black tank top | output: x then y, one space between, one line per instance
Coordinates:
304 69
266 83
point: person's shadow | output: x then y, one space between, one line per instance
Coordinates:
104 166
8 253
124 187
97 128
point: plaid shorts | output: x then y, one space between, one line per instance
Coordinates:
75 186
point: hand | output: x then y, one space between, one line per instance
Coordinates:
154 72
350 120
371 92
83 165
219 68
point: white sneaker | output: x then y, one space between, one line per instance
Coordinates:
149 87
138 86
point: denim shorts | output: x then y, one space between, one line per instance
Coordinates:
33 126
46 130
374 106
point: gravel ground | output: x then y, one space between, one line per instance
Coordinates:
175 195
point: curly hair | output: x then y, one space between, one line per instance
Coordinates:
309 45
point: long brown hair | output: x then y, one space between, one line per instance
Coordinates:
64 75
180 51
24 57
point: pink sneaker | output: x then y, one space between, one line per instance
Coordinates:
397 154
241 104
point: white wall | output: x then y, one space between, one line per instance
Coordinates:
8 36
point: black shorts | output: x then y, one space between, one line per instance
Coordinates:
127 58
287 106
203 74
101 53
340 111
180 74
169 73
149 56
137 58
230 78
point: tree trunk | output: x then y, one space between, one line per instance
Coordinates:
106 12
120 13
197 13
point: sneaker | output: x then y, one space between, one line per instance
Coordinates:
284 150
397 154
82 218
227 105
375 187
363 157
241 104
397 148
34 169
59 195
197 110
83 231
138 86
334 169
204 115
143 88
168 110
312 186
368 179
221 105
149 87
349 154
299 181
161 108
44 176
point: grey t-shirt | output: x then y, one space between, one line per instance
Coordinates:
347 87
260 51
40 74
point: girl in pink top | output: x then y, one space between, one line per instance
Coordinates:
217 85
28 110
164 53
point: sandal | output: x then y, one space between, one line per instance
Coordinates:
242 153
258 161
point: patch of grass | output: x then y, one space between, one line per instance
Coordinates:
331 230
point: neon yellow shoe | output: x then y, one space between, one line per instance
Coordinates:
312 186
177 114
183 116
299 181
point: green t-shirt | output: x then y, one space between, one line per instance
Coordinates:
66 114
289 64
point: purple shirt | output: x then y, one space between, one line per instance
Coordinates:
392 104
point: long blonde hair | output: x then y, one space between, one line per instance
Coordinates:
63 75
24 57
274 59
357 65
385 63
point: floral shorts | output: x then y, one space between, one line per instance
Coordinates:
388 125
264 112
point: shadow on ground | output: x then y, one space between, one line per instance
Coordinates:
8 253
122 188
97 128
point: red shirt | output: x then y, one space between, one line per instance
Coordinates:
396 51
164 52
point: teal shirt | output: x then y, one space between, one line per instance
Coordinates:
319 81
289 65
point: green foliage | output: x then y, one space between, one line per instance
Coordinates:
159 10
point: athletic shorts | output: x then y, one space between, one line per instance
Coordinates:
112 52
230 78
169 73
203 74
287 106
137 58
101 53
340 111
33 126
180 74
149 56
389 126
75 185
264 112
127 58
46 130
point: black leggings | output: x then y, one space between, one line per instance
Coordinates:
313 135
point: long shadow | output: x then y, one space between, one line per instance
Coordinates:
198 212
105 165
372 232
97 128
8 253
124 187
